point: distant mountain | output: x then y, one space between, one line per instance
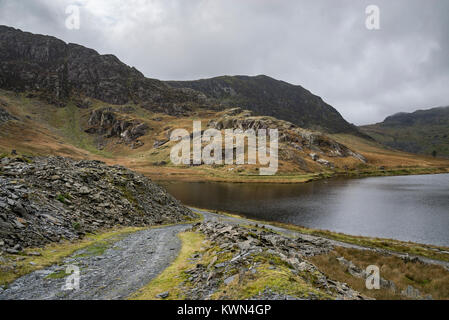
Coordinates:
267 96
423 131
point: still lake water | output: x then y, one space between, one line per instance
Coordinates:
409 208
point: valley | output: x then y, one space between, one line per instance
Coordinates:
85 145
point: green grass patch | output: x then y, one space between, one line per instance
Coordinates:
272 274
171 279
57 275
63 198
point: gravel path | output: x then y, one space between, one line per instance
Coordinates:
122 269
127 265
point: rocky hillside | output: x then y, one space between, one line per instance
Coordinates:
297 144
57 71
46 200
51 69
269 97
106 123
424 131
245 256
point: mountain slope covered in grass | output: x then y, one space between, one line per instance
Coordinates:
423 132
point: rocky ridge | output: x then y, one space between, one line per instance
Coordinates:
244 246
57 71
266 96
107 123
296 138
45 200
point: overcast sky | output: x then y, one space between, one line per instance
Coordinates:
323 46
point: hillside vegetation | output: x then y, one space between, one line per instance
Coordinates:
423 132
133 136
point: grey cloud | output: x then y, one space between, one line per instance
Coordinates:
321 45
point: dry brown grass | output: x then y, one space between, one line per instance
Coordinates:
46 130
35 140
428 279
377 155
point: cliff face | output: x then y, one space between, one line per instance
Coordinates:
57 70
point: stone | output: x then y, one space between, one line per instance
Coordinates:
387 284
85 190
411 292
163 295
160 143
12 251
229 280
235 239
325 163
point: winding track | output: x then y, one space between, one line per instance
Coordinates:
128 265
124 268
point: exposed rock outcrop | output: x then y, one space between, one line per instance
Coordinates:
5 116
56 71
45 200
297 138
245 246
106 122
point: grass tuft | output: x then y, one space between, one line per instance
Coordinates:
173 276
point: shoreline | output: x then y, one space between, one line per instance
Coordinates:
428 251
297 179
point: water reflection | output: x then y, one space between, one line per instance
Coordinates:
411 208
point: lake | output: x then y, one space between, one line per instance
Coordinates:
409 208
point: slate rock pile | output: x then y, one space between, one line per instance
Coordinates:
246 245
45 200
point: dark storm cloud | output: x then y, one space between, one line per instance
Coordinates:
321 45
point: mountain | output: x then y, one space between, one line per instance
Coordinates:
67 100
57 71
267 96
424 131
